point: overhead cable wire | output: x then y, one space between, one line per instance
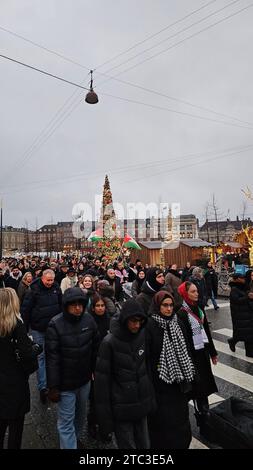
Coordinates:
33 147
59 117
139 86
43 47
173 35
187 165
45 137
68 59
154 35
131 100
134 85
182 113
141 166
36 69
205 109
170 170
133 167
178 100
185 39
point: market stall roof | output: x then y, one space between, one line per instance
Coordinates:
195 242
191 242
158 244
234 244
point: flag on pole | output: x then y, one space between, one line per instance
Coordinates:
129 242
96 235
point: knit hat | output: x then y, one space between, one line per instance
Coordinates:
74 294
131 308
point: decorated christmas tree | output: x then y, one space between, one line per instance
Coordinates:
108 244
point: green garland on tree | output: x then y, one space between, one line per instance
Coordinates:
109 247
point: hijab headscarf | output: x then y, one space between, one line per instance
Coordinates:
151 276
184 294
175 364
195 318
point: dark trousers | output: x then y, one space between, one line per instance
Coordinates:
15 432
201 414
202 404
132 435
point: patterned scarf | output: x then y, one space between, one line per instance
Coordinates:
175 364
196 323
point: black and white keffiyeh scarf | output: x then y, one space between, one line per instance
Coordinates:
198 333
175 364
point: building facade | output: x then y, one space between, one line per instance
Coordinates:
222 231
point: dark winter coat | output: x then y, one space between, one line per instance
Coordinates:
173 279
103 324
201 286
14 386
211 279
131 275
117 287
136 287
122 386
40 304
13 282
146 296
2 282
241 312
107 293
205 384
186 273
22 290
169 426
71 347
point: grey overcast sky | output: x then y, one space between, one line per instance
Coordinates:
191 138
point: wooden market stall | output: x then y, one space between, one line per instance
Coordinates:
186 249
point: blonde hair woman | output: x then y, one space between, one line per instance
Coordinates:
24 285
14 390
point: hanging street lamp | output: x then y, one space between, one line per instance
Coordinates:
91 97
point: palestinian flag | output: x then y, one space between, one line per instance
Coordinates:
96 235
129 242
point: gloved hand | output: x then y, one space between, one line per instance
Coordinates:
54 395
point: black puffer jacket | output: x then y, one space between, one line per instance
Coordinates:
40 304
122 388
242 312
71 346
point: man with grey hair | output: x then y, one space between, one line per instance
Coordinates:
40 304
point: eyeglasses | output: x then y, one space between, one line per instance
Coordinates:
167 305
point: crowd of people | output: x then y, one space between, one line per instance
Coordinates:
128 366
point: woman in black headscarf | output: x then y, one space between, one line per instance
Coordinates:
172 373
153 283
137 283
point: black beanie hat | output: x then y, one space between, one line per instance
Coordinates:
131 308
